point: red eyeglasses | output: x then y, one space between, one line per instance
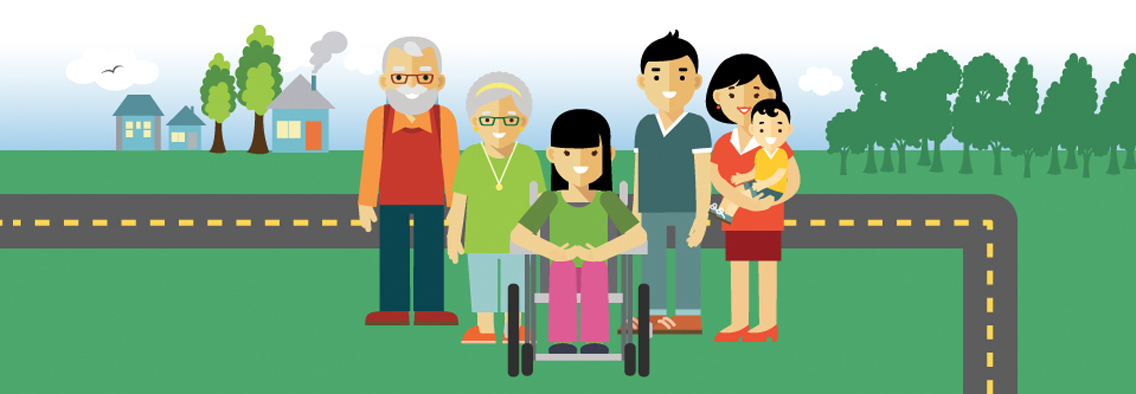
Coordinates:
400 79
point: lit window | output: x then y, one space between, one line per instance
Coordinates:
146 133
145 125
129 125
294 129
281 129
129 133
177 137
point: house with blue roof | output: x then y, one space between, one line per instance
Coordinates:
138 124
185 130
300 118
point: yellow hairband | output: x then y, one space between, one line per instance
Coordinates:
498 85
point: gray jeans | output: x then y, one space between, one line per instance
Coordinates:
688 263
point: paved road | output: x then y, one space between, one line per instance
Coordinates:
983 226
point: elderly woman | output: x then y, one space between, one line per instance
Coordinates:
491 194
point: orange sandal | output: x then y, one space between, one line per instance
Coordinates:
474 335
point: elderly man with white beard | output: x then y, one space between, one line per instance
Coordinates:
409 160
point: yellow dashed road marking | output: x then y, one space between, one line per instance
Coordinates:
817 222
989 332
71 223
989 224
99 222
272 223
989 359
962 222
17 222
932 223
989 304
1 222
790 222
989 386
847 222
129 222
707 223
185 223
412 223
903 222
300 223
355 222
989 251
447 223
989 277
214 222
330 223
244 223
875 223
42 222
157 222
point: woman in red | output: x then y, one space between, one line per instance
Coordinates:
739 83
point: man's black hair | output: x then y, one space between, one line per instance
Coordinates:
739 69
666 49
771 108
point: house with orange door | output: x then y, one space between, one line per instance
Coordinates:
300 118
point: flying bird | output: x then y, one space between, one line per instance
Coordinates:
112 70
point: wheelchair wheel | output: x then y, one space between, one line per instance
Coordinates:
629 359
644 332
527 356
513 330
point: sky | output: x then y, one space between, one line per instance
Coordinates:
580 56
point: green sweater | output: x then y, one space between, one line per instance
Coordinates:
578 224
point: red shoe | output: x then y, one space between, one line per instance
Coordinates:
435 318
385 318
760 336
731 336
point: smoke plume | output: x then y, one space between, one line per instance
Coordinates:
333 42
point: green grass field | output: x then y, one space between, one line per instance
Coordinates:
869 321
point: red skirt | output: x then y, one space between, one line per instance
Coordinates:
753 245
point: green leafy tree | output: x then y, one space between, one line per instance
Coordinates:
218 98
939 76
845 136
1118 115
872 71
1069 106
1021 125
902 115
258 81
978 114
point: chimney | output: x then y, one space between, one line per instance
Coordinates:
191 108
313 82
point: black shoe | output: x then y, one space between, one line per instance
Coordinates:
564 348
594 348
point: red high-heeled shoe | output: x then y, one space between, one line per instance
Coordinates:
731 336
760 336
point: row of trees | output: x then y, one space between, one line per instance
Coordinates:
992 110
256 84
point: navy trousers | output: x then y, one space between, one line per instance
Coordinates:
394 257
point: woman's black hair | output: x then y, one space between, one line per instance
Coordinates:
771 108
580 129
739 69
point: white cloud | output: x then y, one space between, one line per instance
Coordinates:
820 81
364 59
95 61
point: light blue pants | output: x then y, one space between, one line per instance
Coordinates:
486 293
688 263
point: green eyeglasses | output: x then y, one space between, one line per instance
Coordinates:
492 120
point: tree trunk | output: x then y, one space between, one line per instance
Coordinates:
966 160
924 157
1113 162
902 158
1130 163
1071 159
843 162
871 167
259 145
997 159
218 139
1054 162
887 167
937 163
1087 154
1029 155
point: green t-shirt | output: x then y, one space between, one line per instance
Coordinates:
666 162
491 214
578 224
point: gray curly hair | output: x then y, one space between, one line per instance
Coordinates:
521 97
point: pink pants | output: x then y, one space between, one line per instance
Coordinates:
590 281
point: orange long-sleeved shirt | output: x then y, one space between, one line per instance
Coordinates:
373 150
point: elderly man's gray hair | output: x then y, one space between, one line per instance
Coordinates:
495 86
413 46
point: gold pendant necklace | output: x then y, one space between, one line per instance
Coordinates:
494 170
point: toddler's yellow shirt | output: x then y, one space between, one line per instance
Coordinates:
764 166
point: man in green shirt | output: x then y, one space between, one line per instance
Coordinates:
672 183
491 194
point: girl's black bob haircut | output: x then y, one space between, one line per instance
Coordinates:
739 69
580 129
